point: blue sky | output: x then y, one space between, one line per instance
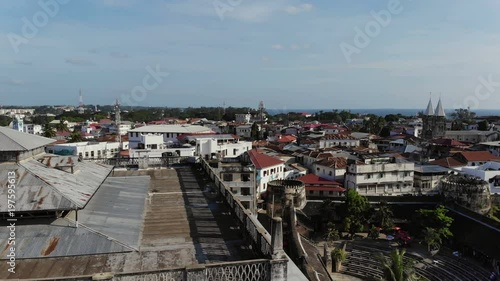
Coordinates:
284 52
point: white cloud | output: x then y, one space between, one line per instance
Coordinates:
294 10
277 47
255 11
119 55
79 61
13 82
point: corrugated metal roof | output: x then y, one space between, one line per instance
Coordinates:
61 239
13 140
39 187
117 208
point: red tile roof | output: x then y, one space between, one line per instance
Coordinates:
448 162
287 139
262 161
314 179
476 156
448 142
338 137
337 162
324 188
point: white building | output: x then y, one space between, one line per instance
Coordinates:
268 168
121 129
332 168
489 172
166 134
224 146
243 118
338 140
244 131
472 136
380 175
427 178
87 150
33 129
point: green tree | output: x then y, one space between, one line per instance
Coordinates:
255 133
338 257
48 132
332 234
385 132
383 216
327 210
435 224
432 238
75 137
356 207
61 126
396 268
5 120
374 232
483 125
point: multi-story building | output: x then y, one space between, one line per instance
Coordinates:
33 129
156 136
473 136
222 146
427 178
332 168
268 168
88 150
244 131
338 140
380 175
243 118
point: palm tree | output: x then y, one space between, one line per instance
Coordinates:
61 126
433 240
332 234
383 216
395 268
48 132
75 137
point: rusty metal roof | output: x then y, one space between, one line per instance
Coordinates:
59 239
12 140
41 187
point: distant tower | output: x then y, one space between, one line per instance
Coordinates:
261 112
434 126
118 121
18 123
81 109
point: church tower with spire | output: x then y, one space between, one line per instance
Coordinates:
434 122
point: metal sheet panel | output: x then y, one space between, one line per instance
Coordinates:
12 140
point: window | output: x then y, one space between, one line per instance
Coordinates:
227 177
86 154
321 192
311 192
381 175
245 191
92 154
330 192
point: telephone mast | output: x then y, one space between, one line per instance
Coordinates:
118 121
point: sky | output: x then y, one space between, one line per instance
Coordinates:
287 53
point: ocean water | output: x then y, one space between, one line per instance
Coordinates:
385 111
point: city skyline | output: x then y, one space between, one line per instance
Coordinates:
291 54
